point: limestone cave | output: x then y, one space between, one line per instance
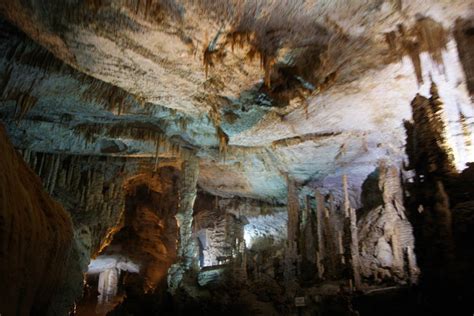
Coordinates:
236 157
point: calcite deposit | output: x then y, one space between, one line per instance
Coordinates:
169 157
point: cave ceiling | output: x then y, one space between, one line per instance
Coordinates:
257 90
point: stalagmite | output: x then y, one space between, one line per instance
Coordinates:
340 247
412 266
187 252
291 253
107 287
346 196
443 222
293 212
330 240
466 131
308 242
320 209
351 238
431 152
306 214
396 250
354 249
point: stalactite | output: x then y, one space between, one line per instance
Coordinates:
134 130
412 265
314 63
84 178
113 98
49 172
223 141
211 53
464 42
140 131
54 176
426 35
40 170
24 103
432 37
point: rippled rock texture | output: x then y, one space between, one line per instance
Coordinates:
36 238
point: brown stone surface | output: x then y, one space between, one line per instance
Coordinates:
35 237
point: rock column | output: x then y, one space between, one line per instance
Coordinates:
187 249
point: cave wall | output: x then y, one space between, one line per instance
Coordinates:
36 237
93 190
89 187
149 232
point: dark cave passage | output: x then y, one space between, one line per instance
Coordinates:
142 248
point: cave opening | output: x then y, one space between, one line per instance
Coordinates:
142 248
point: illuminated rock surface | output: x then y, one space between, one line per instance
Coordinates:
229 156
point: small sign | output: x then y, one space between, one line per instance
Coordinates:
299 301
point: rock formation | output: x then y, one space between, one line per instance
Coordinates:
385 234
237 156
36 238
